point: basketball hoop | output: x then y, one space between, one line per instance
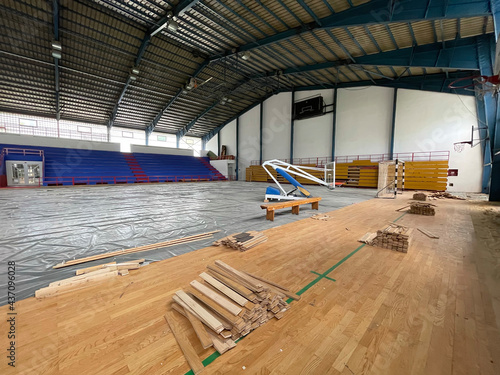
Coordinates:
481 85
459 146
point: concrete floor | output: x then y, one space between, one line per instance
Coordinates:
42 227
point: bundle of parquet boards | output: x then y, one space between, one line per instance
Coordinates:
242 241
420 208
87 277
420 196
393 237
225 306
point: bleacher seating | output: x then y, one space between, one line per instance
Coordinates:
177 167
65 166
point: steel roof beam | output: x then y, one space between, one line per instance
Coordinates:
377 12
182 7
433 82
457 54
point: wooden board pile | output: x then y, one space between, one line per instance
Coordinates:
87 277
227 304
443 195
419 208
393 237
420 196
242 241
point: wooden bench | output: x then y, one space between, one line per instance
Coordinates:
271 207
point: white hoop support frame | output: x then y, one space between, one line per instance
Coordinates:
459 146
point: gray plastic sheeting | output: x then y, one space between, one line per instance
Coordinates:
42 227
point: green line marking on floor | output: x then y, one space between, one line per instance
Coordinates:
326 277
321 276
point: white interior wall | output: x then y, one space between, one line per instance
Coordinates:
364 121
276 126
249 140
213 144
313 137
427 121
228 138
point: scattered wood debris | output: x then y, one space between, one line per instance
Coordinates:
427 233
242 241
322 217
419 208
394 237
179 241
444 194
229 304
368 238
88 276
420 196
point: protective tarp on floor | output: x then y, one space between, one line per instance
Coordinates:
42 227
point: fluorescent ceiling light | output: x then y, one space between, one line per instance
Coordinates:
159 29
56 54
56 45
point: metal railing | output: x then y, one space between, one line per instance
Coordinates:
404 156
22 151
91 180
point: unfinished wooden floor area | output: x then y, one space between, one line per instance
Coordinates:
434 310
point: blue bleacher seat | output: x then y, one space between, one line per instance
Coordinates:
64 166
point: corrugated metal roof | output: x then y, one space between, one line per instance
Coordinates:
101 40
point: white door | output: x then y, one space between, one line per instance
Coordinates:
24 173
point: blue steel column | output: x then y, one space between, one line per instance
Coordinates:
494 133
237 145
393 127
484 50
334 122
218 145
260 127
292 127
147 137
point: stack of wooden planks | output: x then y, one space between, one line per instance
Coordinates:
242 241
444 194
419 208
227 305
88 276
393 237
420 196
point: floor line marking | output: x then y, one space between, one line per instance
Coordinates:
216 354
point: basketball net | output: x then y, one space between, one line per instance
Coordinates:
459 146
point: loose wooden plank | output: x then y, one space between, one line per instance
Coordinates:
427 233
183 240
76 279
240 275
186 347
238 288
220 344
68 287
222 301
93 268
234 320
199 328
266 281
203 314
242 301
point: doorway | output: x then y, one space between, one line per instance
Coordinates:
24 173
